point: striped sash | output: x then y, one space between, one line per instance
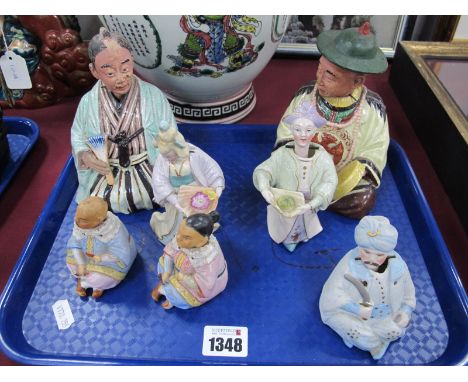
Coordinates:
132 188
128 120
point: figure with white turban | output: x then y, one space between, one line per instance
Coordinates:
180 164
369 297
296 181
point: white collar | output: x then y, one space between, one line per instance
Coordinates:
104 232
203 255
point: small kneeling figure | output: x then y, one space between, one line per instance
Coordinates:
100 250
192 269
369 297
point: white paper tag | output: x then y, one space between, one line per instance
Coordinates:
63 314
15 71
225 341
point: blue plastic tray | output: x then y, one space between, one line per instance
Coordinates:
22 134
271 291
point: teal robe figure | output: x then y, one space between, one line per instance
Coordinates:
139 115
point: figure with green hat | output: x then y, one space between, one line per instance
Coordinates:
356 133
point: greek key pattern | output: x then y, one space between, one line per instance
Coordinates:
209 113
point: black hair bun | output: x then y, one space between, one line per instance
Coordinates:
215 216
203 223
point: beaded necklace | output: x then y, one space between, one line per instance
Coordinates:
336 116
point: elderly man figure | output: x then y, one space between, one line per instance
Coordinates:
127 113
356 133
369 297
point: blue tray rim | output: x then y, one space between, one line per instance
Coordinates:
449 271
433 227
21 126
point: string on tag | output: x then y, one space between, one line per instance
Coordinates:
7 93
14 68
3 37
4 41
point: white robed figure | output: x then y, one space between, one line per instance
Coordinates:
302 167
369 297
179 163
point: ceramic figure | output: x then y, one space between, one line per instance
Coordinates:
300 166
192 269
180 164
369 297
204 63
127 112
100 250
356 133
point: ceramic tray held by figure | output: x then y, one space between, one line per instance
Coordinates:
356 130
288 203
369 297
298 167
197 199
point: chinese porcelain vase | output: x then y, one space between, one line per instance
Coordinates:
204 64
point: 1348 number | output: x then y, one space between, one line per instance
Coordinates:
220 344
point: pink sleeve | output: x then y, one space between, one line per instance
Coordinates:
183 263
207 275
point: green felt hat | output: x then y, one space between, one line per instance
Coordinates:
353 49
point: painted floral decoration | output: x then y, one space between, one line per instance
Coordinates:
200 201
212 195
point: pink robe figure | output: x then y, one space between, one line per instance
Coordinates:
196 274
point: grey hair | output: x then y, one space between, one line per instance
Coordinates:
97 45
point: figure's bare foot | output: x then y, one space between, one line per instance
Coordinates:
379 351
97 293
80 290
156 294
167 305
